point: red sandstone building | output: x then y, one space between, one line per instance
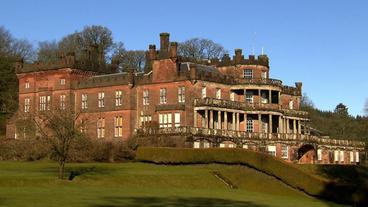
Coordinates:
231 102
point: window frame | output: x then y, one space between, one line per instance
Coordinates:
248 73
163 96
181 94
118 98
145 97
218 93
101 99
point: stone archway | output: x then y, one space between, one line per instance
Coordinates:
307 154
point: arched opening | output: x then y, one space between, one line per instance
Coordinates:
307 154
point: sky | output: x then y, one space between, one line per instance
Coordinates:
323 44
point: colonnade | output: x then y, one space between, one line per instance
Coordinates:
237 120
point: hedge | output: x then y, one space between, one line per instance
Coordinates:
286 172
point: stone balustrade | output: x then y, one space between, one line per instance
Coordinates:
206 132
221 103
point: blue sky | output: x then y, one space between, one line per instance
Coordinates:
324 44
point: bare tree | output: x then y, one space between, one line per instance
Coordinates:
366 107
60 129
47 51
199 49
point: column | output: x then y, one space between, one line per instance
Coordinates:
287 126
279 98
237 121
281 125
245 95
234 122
294 126
299 127
219 124
270 123
206 118
245 122
195 118
211 119
225 120
260 123
259 97
269 96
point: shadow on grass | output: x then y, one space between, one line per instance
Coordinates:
174 202
73 171
350 183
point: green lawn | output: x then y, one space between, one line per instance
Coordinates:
139 184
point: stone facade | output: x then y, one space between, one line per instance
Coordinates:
231 102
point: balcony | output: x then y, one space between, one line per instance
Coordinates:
220 103
242 135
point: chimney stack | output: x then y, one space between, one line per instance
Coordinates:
238 56
173 49
152 52
164 42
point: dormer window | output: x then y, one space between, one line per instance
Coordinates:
26 85
248 73
62 81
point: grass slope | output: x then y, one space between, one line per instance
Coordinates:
138 184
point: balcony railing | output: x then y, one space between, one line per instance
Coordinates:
205 132
268 81
221 103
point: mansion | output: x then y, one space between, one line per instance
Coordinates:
228 102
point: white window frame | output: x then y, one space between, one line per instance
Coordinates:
264 74
26 85
271 150
84 101
218 93
196 145
101 99
181 94
284 151
250 124
177 119
163 95
204 92
27 104
62 81
118 126
341 156
118 98
351 156
165 120
319 154
62 101
232 96
249 96
100 127
291 104
247 73
145 97
42 103
336 156
357 157
48 104
245 146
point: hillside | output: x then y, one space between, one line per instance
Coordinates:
138 184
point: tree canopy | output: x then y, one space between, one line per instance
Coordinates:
200 49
